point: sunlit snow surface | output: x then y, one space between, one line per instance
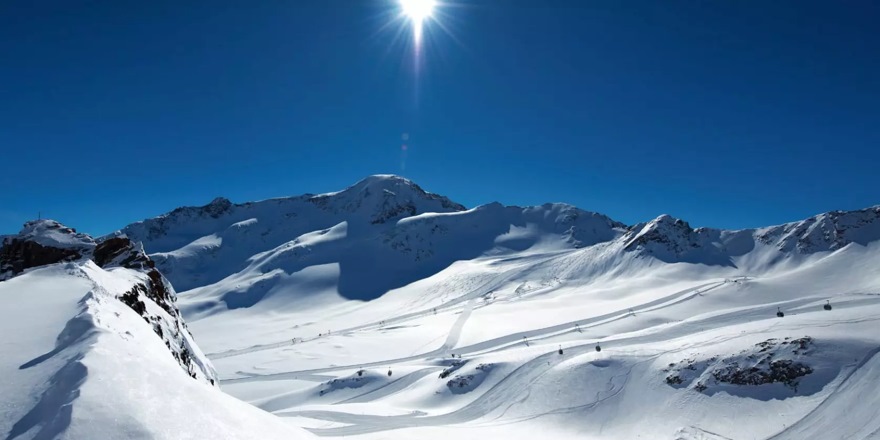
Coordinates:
385 312
79 364
508 316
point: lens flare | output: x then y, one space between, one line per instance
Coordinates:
417 11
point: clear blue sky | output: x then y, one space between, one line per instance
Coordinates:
727 114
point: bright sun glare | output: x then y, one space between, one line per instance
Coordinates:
418 10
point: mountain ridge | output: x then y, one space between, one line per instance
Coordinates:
386 224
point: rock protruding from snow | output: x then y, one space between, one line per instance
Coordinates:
673 240
772 361
46 242
39 243
825 232
664 234
120 251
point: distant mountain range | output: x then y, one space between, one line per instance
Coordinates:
386 231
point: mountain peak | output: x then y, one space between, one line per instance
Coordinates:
51 233
383 197
664 232
383 178
666 219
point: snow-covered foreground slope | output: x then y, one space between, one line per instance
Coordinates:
468 310
100 353
677 352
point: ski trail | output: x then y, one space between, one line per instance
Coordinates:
501 342
392 387
455 331
469 306
760 312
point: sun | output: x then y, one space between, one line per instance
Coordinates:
418 10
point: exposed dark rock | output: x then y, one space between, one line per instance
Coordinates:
768 362
123 251
217 207
784 371
46 242
133 301
17 255
465 382
456 364
674 380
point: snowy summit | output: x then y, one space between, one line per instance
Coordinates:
386 311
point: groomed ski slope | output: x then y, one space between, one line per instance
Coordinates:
79 364
507 318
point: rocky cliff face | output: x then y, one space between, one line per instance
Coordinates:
40 243
45 242
824 232
674 240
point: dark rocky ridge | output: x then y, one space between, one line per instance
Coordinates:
25 250
46 242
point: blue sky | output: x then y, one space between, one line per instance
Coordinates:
726 114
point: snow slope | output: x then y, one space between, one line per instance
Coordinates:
82 364
445 321
646 327
93 352
198 246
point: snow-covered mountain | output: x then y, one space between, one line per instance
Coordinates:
199 246
95 347
383 311
385 232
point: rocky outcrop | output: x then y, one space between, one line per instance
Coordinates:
45 242
768 362
121 251
825 232
672 234
17 255
40 243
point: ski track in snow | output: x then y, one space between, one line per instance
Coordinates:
497 396
491 406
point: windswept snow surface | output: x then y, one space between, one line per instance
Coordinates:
79 364
385 312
